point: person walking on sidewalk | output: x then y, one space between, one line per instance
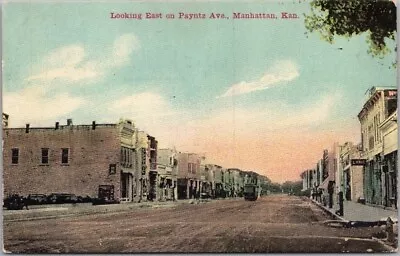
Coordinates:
330 192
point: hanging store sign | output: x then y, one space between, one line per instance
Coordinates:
358 161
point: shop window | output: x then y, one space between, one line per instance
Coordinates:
106 192
391 106
14 155
371 142
64 155
45 155
113 169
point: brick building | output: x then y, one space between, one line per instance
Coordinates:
351 171
329 169
99 160
189 175
72 159
390 163
309 178
216 177
209 187
380 106
5 120
237 184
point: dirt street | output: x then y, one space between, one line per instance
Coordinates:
270 224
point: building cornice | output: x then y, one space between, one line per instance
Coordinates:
372 100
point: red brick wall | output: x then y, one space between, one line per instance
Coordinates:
90 154
183 160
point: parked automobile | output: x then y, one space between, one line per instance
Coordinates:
84 199
104 200
62 198
14 202
37 199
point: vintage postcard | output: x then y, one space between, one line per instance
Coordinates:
199 126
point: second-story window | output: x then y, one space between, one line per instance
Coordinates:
45 155
14 155
64 155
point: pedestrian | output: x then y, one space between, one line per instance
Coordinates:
319 195
330 192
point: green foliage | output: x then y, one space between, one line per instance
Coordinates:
353 17
275 188
293 187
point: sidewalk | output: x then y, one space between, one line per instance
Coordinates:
353 211
67 210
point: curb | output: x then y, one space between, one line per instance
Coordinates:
382 207
335 216
388 247
101 209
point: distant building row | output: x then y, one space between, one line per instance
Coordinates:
367 171
114 161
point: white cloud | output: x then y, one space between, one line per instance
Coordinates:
123 48
142 105
154 114
32 105
150 112
39 103
65 63
65 56
70 63
281 71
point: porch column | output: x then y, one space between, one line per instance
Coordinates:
188 189
130 184
175 190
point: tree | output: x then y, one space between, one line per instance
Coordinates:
293 187
353 17
275 188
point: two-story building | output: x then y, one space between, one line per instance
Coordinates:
236 182
390 163
208 179
216 178
379 106
188 175
167 170
309 178
79 159
350 170
219 179
98 160
319 170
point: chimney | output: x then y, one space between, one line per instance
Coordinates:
94 125
57 125
69 122
27 128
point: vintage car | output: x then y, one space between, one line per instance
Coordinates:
37 199
62 198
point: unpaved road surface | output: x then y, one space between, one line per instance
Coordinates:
271 224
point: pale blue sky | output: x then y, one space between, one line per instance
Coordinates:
180 68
